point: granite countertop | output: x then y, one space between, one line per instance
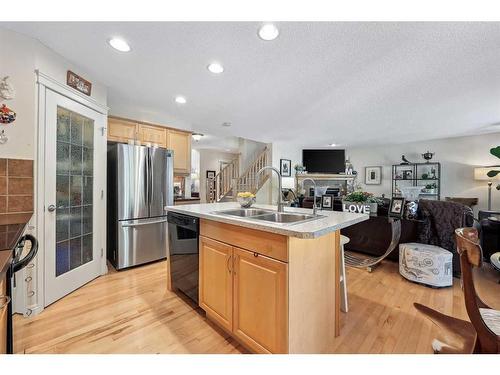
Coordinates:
330 222
11 229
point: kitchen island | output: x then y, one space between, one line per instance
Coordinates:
271 279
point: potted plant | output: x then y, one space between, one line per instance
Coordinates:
430 188
363 198
299 169
495 151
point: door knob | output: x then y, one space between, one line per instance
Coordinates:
51 208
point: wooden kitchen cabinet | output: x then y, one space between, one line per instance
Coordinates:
246 293
180 143
216 281
122 131
153 134
273 293
260 302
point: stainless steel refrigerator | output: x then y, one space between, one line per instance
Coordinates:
140 186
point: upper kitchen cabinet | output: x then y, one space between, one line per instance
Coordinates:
122 131
180 143
153 134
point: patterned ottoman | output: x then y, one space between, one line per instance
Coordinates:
426 264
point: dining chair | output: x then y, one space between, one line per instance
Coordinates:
482 333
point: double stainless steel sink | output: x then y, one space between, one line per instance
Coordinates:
269 216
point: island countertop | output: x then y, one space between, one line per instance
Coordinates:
329 222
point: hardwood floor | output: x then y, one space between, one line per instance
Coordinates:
123 312
133 312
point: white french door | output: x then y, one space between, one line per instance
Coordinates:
74 181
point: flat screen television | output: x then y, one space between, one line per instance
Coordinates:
324 161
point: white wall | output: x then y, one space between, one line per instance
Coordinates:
20 58
209 161
249 150
458 157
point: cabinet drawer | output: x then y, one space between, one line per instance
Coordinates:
265 243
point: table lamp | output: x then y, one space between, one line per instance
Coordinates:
481 174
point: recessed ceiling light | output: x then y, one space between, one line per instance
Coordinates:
119 44
215 68
268 32
226 124
180 99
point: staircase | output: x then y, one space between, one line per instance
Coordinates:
228 182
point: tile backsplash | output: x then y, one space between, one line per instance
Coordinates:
16 186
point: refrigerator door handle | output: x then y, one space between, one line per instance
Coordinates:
151 180
147 223
148 180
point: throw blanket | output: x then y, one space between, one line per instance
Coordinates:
440 219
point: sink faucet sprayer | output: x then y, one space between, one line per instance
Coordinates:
314 199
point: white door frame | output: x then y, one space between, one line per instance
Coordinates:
44 83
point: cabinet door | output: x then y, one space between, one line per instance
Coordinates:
260 302
153 134
216 281
3 318
180 143
121 131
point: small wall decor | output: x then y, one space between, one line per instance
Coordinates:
327 202
211 174
3 137
7 91
7 115
373 175
78 83
285 167
428 156
404 160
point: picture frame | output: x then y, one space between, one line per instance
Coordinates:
397 207
286 167
373 175
211 174
327 202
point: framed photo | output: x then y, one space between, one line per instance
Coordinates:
327 202
397 206
210 174
286 167
373 175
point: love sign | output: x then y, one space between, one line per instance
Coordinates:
357 208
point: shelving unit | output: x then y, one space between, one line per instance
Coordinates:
413 173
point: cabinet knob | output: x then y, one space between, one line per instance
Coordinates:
255 254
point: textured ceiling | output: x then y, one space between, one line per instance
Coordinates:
349 83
